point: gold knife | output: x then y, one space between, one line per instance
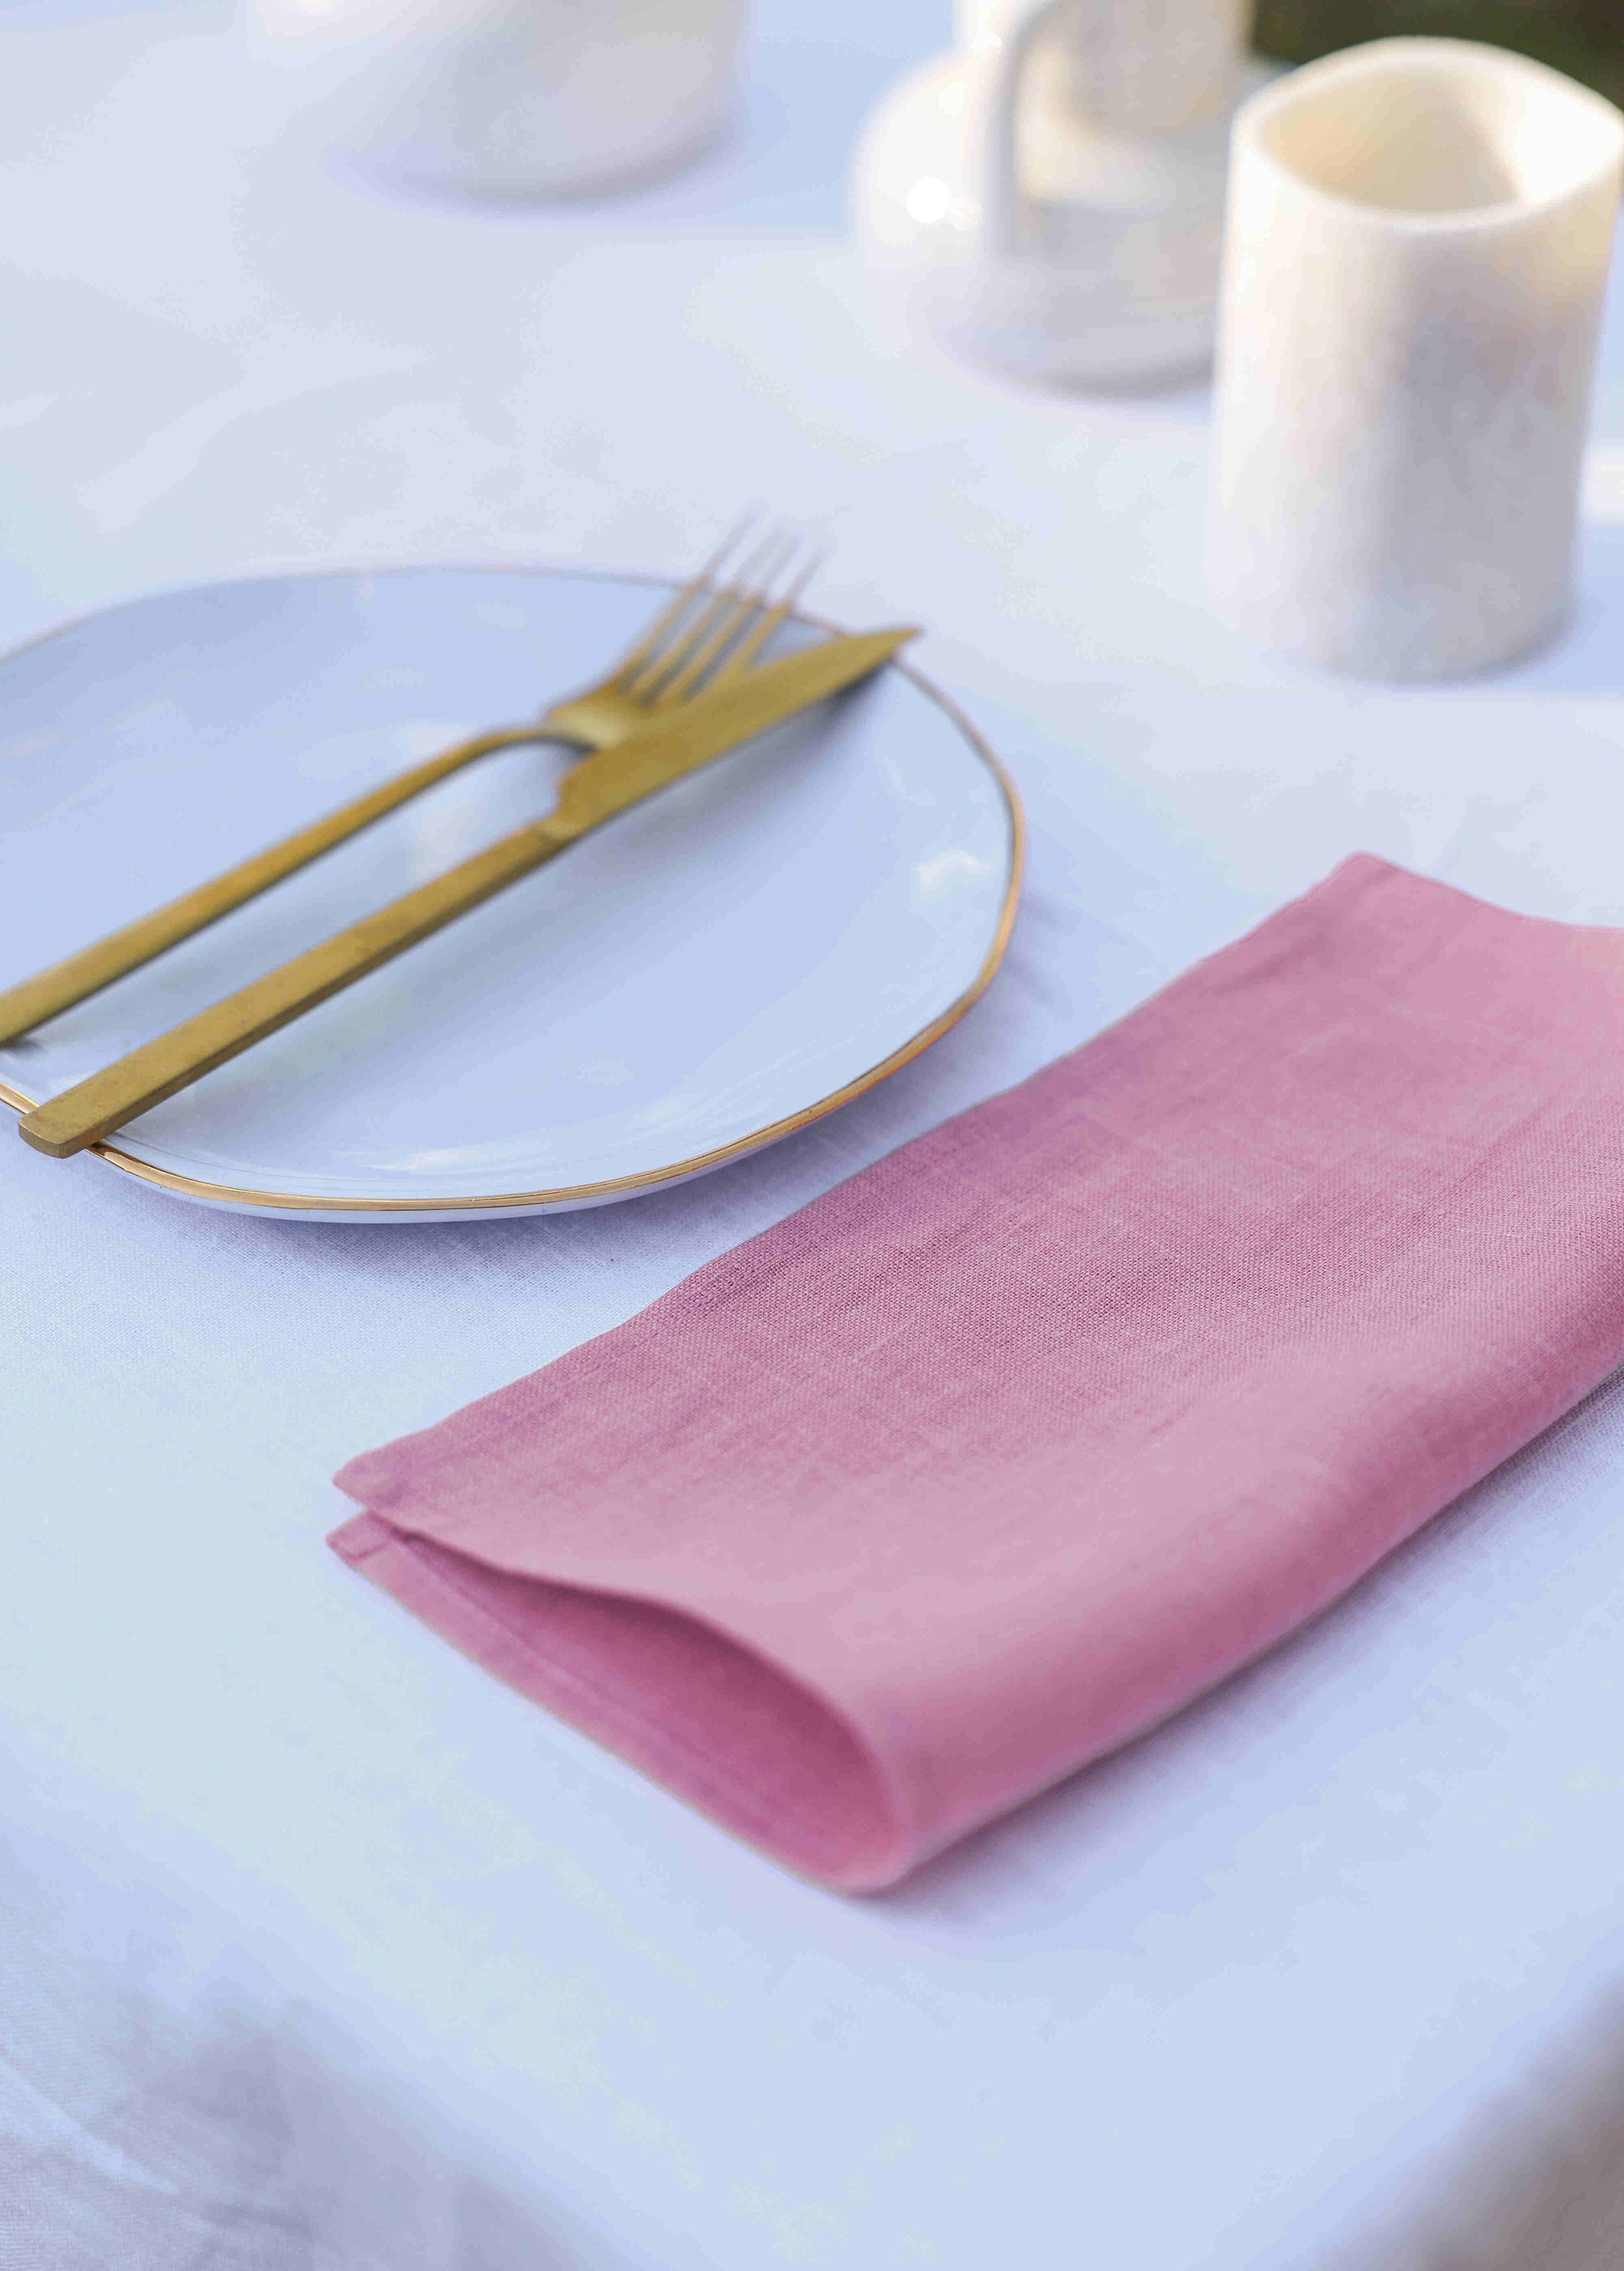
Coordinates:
593 792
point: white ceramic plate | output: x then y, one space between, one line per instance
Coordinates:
724 963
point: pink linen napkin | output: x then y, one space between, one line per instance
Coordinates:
1006 1448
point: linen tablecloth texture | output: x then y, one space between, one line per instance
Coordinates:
1001 1451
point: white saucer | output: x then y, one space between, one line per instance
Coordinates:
724 963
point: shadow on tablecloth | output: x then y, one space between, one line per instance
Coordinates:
166 2106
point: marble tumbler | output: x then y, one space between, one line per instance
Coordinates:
1416 249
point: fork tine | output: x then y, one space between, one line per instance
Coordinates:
659 631
718 623
658 658
723 600
754 639
713 639
651 679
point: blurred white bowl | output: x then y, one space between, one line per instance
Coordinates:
515 97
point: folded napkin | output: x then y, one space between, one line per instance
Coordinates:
1006 1448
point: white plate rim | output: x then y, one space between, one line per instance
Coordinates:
581 1195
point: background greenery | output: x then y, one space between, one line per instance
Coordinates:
1584 37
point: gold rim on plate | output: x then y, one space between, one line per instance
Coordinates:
294 1201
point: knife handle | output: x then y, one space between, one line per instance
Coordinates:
49 992
83 1114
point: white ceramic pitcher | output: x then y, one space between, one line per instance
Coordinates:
515 97
1050 197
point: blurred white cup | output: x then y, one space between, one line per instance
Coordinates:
1415 255
515 97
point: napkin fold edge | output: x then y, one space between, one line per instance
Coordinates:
800 1772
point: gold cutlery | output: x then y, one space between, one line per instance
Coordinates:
676 740
707 635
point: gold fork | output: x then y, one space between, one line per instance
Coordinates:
709 633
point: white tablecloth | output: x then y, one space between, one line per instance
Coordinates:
324 1950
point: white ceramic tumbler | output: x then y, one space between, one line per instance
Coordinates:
1415 255
515 97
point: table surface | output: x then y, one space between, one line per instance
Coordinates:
1255 1992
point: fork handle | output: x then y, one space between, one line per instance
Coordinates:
81 1115
51 991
